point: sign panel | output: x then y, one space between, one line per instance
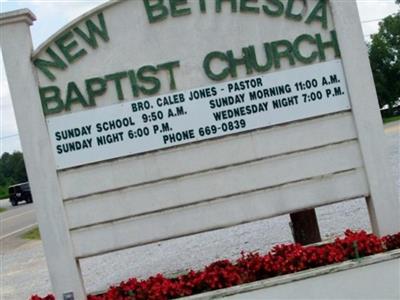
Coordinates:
198 114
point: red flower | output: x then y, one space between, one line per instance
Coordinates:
48 297
282 259
392 241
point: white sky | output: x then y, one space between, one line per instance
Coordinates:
52 15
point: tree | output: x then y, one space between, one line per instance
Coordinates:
12 168
384 56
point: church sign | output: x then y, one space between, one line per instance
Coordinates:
148 120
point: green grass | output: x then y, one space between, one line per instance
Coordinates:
391 119
33 234
2 209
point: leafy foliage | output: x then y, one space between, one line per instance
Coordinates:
12 170
384 55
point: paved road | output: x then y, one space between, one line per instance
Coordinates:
16 219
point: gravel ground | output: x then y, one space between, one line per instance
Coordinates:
24 270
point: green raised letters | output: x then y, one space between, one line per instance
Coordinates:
152 80
296 49
207 65
95 87
117 77
319 13
156 11
218 5
280 8
289 12
169 67
251 54
94 30
203 7
74 95
66 44
141 81
333 43
133 82
287 52
44 65
244 6
50 97
177 12
234 62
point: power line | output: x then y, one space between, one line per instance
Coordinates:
373 20
8 136
370 21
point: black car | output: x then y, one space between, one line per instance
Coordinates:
20 192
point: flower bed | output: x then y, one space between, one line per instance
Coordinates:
281 260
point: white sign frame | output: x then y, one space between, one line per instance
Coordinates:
60 246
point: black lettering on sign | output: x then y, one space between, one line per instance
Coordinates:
179 136
110 138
